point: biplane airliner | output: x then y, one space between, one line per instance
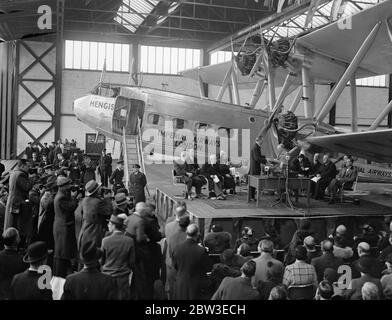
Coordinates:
328 54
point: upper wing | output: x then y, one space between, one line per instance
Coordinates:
214 74
371 145
335 42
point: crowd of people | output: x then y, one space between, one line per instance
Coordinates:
104 241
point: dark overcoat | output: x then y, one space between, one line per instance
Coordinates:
94 213
64 226
191 262
137 182
19 186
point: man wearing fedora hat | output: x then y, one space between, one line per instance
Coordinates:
121 203
116 179
25 285
89 283
65 203
95 210
118 257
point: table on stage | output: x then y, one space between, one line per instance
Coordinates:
276 183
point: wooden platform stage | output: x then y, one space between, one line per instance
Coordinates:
236 206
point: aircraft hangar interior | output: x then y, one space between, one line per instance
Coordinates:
195 150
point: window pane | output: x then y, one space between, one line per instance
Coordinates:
77 55
93 55
166 60
68 54
214 58
117 57
174 60
143 59
125 58
158 60
109 56
151 60
196 58
188 58
181 59
85 55
101 55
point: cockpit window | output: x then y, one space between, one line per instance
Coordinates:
106 91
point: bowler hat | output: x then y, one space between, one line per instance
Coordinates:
118 221
62 181
120 199
91 187
35 252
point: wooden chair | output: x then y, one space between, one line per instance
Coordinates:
352 192
301 292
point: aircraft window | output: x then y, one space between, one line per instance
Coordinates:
105 91
179 123
154 118
252 119
225 132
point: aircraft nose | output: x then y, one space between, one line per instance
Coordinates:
80 106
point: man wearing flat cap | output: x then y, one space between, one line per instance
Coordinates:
24 286
95 211
90 283
118 257
65 203
137 183
116 179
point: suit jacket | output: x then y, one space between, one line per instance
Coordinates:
94 213
327 260
181 169
19 186
191 262
172 241
118 258
136 228
348 176
64 226
328 171
89 284
24 287
261 267
11 263
356 286
239 288
256 159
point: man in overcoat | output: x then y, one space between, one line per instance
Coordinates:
65 203
19 186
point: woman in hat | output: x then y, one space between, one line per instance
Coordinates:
95 211
137 183
121 203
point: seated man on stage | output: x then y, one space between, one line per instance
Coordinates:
189 174
323 178
215 180
225 172
301 166
346 176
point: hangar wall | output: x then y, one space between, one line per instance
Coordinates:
76 83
